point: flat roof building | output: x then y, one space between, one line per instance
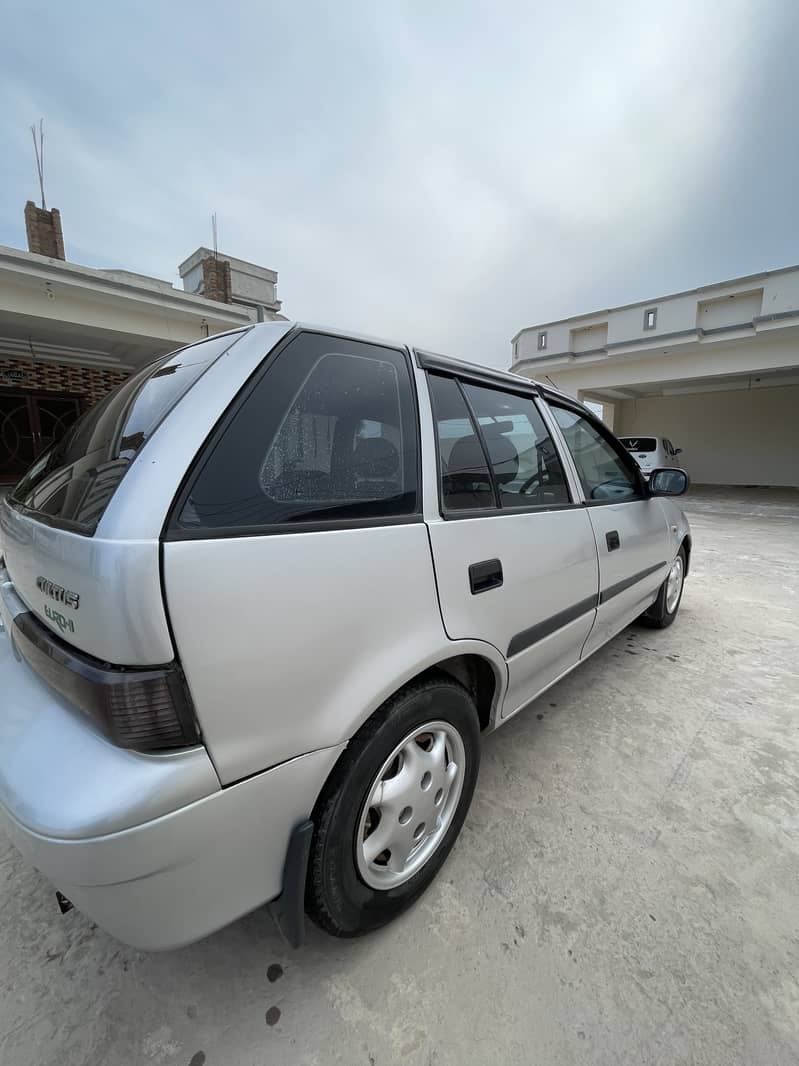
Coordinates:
714 369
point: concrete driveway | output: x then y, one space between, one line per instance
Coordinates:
626 889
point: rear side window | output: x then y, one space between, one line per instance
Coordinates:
327 434
72 483
639 444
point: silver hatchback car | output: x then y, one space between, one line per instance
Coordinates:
261 603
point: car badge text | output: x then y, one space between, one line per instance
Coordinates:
58 593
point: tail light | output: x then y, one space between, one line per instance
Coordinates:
147 709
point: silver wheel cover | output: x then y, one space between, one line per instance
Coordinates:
410 805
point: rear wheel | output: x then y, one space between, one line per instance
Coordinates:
664 610
393 807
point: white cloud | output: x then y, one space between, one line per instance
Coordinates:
445 176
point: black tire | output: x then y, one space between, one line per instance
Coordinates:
658 616
337 898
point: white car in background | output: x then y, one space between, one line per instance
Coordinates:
652 453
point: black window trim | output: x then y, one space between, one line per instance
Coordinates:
285 529
556 399
442 510
446 370
171 531
478 432
64 524
479 375
506 512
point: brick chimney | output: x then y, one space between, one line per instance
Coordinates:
216 280
43 229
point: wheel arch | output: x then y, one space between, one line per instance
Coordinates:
476 665
478 676
687 544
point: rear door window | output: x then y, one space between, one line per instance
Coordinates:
493 449
526 467
72 483
464 476
327 434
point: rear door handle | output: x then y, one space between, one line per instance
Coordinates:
613 540
484 576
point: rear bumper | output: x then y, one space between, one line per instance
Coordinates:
184 875
148 846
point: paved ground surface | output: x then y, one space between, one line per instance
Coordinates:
626 889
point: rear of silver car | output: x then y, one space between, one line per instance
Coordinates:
105 783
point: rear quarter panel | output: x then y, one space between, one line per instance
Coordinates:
291 641
116 573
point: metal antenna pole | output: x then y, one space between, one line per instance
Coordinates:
38 147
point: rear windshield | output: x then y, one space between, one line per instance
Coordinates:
639 444
72 483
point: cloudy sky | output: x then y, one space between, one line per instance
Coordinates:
443 173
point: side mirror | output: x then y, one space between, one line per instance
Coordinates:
677 451
668 482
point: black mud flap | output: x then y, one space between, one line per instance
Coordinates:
288 910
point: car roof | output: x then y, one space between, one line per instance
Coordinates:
434 361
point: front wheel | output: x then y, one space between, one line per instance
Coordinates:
393 807
664 610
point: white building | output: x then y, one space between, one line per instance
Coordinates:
715 370
69 333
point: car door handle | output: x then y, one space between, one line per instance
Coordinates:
612 540
484 576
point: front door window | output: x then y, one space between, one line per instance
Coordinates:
603 470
